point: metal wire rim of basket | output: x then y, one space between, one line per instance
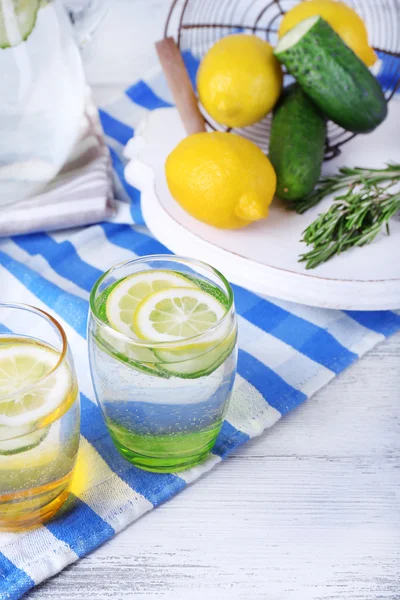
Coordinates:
198 24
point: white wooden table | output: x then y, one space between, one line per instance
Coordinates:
309 511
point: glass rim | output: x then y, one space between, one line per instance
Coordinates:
63 353
170 343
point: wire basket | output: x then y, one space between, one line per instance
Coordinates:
198 24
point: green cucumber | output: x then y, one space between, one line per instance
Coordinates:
297 144
24 439
17 20
192 364
129 354
332 75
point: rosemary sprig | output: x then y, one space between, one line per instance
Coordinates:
344 179
354 219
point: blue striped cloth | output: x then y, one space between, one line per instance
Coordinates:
287 352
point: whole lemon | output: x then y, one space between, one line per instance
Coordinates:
341 17
221 179
239 80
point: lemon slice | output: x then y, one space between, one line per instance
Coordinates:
176 314
129 293
22 365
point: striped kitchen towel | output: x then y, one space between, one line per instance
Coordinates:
287 353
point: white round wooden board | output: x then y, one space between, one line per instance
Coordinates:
263 257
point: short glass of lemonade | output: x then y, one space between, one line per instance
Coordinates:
39 416
163 352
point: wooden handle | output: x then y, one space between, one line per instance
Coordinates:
180 85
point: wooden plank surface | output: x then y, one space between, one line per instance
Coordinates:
309 511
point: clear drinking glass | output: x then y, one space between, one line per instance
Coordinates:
39 416
164 402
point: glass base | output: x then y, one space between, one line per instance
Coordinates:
167 452
20 511
164 464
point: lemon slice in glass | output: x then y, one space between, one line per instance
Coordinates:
131 291
28 391
176 314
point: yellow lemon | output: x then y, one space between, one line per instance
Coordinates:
221 179
239 80
341 17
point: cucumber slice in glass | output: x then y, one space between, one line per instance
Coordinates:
141 359
196 362
24 439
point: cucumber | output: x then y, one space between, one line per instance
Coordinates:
23 440
194 364
17 20
297 144
332 75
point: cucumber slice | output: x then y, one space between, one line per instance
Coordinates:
330 73
296 124
196 362
140 359
24 439
17 20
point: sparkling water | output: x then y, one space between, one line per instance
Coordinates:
161 415
37 457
